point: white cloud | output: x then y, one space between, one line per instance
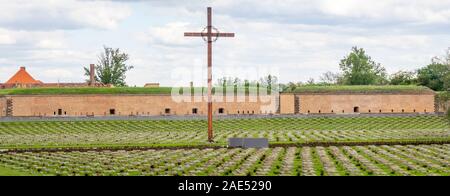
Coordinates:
98 14
412 11
50 44
61 14
6 38
392 41
61 56
58 72
420 12
303 38
169 34
33 39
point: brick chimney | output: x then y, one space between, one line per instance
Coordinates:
92 75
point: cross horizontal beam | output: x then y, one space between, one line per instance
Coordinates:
195 34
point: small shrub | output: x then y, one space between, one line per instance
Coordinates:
448 114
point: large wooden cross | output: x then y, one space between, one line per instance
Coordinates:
209 36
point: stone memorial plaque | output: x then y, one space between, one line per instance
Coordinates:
235 142
248 142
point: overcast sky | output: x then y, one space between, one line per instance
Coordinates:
296 39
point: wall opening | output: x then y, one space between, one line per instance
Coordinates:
356 109
112 112
221 110
194 111
167 111
60 112
296 104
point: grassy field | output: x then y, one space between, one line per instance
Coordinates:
114 91
160 133
168 90
361 89
4 171
300 146
87 90
412 160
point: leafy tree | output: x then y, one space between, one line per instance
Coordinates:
291 86
448 114
403 78
445 59
235 81
229 81
311 81
111 68
435 76
222 81
447 82
270 82
331 78
359 69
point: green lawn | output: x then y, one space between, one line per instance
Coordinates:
168 90
340 146
9 172
361 89
112 91
63 91
396 160
190 133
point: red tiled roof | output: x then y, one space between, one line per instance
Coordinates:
22 77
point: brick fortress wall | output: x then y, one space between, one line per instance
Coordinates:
125 105
357 103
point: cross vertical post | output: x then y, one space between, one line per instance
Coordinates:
210 126
209 36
